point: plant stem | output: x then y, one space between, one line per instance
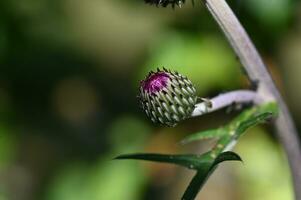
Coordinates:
224 100
257 72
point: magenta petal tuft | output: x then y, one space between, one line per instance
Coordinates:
155 82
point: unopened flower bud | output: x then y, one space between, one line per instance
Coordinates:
167 97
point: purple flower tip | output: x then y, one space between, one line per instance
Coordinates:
155 82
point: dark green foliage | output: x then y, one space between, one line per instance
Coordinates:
206 163
205 171
190 161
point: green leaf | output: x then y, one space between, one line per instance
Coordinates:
196 184
209 134
269 108
206 163
203 174
253 121
244 121
227 156
238 126
190 161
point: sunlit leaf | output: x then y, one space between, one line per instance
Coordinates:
244 121
209 134
253 121
270 108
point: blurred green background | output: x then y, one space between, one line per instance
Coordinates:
69 75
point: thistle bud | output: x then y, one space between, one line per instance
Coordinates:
167 97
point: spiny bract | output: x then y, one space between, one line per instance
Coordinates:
167 97
165 3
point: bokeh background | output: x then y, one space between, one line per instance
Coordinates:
69 75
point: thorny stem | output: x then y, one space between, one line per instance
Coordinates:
257 72
224 100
